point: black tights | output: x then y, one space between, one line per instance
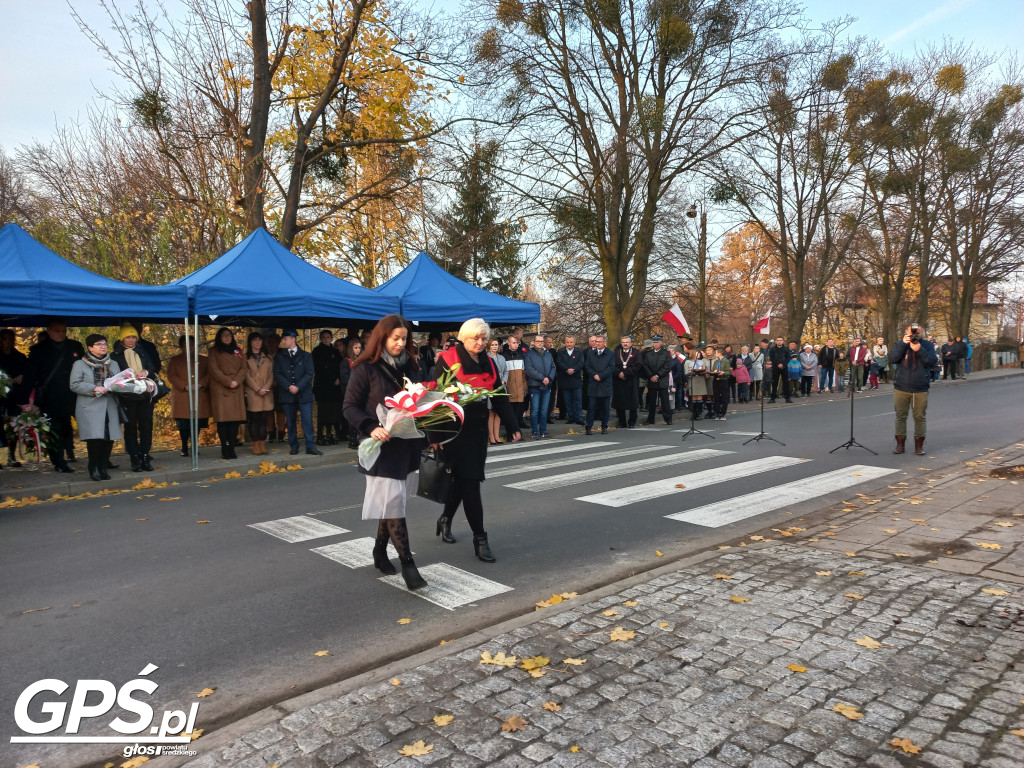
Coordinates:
395 529
227 431
467 493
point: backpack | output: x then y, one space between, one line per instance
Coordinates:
794 368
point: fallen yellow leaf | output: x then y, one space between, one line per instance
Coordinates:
443 720
908 747
680 485
1018 732
551 706
202 522
575 662
987 545
574 748
850 554
396 682
619 635
514 723
230 475
796 668
171 498
321 653
823 573
848 710
757 538
996 592
204 693
659 554
868 642
534 662
296 468
1005 524
856 573
739 599
609 613
854 595
405 621
725 576
193 735
416 749
501 660
889 530
568 595
631 603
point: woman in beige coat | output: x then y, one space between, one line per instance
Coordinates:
259 395
227 394
178 376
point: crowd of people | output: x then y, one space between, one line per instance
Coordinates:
271 387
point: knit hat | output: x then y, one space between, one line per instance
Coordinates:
127 329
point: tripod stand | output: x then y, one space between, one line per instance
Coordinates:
762 435
852 443
693 430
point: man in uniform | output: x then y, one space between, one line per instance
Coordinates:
657 365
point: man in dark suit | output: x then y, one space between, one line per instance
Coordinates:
293 372
599 369
50 364
657 365
569 363
327 389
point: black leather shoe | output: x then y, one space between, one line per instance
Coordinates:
314 452
483 550
95 474
147 463
64 468
104 475
444 530
293 451
411 574
381 561
589 432
604 430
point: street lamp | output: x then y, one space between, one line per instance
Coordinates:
702 269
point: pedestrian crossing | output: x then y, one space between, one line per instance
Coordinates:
520 455
572 461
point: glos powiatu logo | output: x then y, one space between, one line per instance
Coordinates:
53 712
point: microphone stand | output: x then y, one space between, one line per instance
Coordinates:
693 429
852 443
762 435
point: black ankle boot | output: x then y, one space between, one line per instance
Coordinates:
412 577
147 463
444 529
136 462
184 448
381 561
483 550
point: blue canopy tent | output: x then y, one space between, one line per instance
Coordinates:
430 296
37 284
260 282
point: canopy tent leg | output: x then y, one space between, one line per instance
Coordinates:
192 370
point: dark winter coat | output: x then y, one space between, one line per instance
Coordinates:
601 365
326 364
566 359
539 366
913 369
657 362
150 360
369 385
467 453
827 357
50 366
777 356
294 370
15 364
626 389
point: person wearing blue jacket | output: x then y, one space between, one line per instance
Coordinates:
913 359
293 372
539 366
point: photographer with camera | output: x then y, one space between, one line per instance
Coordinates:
913 359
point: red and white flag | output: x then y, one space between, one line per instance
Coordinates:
674 317
764 325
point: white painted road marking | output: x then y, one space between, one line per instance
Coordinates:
522 444
741 507
548 482
356 553
744 434
450 587
298 528
633 494
575 460
545 451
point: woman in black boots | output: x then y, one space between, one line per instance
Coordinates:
467 453
378 373
96 409
227 392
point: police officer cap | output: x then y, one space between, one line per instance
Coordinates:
289 333
656 337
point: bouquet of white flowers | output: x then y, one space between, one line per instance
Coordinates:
5 384
128 384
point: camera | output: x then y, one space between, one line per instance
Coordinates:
915 334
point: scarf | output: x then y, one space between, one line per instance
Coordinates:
398 363
134 361
475 373
100 367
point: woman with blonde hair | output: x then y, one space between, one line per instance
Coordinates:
467 452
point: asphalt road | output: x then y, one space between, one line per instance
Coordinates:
91 591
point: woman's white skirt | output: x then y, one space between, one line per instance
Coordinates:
385 496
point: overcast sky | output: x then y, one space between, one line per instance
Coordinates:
50 72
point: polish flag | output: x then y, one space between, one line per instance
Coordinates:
764 324
674 317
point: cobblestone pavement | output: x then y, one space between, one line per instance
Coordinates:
740 658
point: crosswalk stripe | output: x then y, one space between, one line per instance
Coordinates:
572 461
741 507
298 528
545 451
523 444
355 553
450 587
548 482
646 491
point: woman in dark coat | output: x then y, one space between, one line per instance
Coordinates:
467 453
376 374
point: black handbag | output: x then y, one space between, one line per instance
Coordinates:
162 390
436 478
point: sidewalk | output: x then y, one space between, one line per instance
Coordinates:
40 481
818 644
